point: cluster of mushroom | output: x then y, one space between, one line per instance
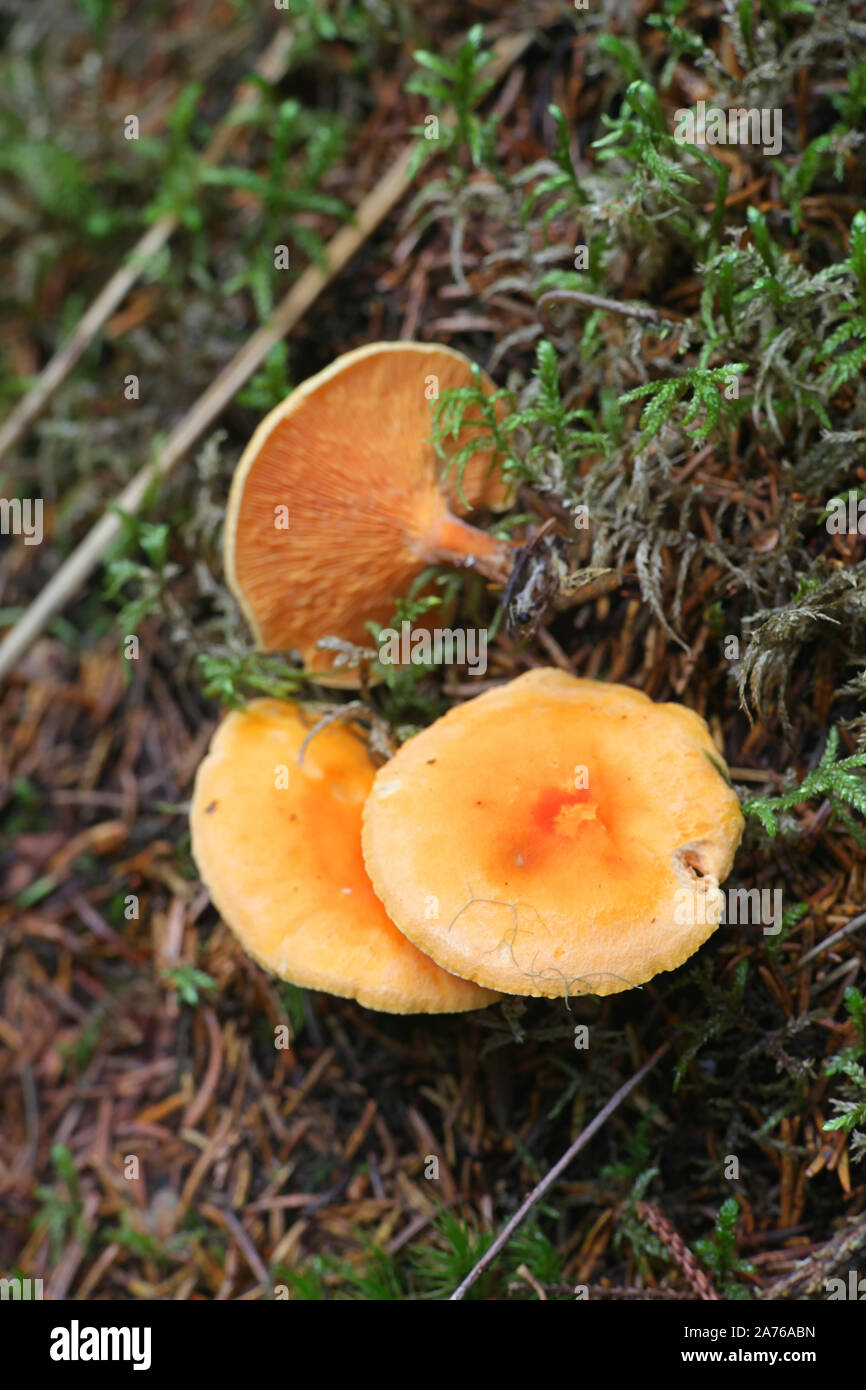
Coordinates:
547 837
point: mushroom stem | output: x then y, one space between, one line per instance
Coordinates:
453 542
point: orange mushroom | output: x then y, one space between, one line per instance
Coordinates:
338 502
279 848
572 834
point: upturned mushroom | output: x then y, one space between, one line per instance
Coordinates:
278 846
571 833
339 502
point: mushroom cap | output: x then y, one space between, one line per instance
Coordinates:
283 864
348 454
559 823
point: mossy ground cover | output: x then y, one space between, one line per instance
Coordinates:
679 335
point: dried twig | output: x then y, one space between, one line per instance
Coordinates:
559 1167
271 67
829 941
84 559
595 301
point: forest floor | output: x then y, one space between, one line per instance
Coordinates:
153 1142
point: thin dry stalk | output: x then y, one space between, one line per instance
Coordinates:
339 251
271 67
550 1177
